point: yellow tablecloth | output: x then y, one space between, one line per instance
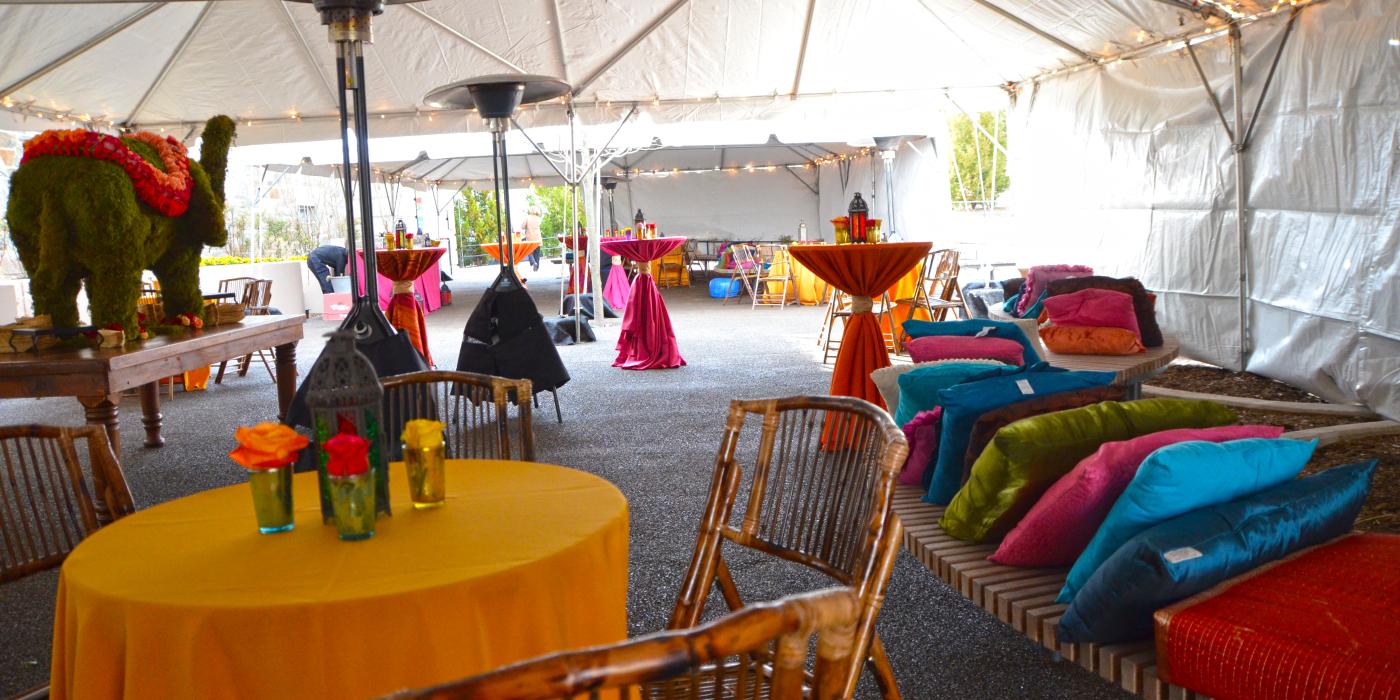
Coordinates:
187 600
811 290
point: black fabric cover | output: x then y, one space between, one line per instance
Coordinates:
561 330
587 309
506 336
1142 304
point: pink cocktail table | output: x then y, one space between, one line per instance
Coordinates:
647 340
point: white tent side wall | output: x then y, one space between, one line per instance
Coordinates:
1128 169
759 205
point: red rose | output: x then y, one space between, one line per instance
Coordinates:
347 455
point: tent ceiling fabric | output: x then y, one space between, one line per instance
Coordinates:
171 64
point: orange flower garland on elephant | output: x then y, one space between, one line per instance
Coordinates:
167 191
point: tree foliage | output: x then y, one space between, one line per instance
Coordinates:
979 184
475 222
554 204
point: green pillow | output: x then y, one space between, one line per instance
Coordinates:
1026 457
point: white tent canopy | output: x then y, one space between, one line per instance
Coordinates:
267 62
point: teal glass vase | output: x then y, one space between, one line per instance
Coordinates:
272 498
353 505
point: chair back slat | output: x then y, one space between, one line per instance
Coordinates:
46 503
758 652
820 494
475 410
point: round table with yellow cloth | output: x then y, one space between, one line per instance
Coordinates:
187 600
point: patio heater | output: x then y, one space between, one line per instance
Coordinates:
889 147
505 335
609 186
388 349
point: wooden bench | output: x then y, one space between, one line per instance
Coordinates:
1024 599
1132 370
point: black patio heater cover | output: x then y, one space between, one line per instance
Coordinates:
387 348
505 334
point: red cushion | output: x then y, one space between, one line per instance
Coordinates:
1320 624
1094 308
958 347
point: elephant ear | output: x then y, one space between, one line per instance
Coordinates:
204 221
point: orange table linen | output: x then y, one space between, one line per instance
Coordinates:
904 289
403 266
862 271
521 249
187 600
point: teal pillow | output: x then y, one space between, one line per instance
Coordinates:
1180 478
963 404
1026 457
919 387
1191 553
975 327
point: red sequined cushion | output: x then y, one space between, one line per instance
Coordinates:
1323 624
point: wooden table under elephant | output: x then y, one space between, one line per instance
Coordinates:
97 376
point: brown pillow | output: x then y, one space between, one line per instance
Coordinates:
1142 301
987 426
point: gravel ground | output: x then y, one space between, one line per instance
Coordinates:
654 434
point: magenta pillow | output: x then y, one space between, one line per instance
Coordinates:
1061 524
960 347
922 434
1038 279
1094 308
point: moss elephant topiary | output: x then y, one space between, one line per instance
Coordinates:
97 210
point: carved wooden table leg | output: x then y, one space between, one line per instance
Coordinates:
286 356
102 410
150 414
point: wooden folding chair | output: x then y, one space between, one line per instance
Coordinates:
758 653
256 296
827 508
744 259
774 277
839 309
473 408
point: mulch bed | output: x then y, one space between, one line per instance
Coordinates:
1381 512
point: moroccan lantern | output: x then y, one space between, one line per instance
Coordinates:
858 214
343 395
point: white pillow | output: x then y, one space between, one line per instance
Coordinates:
887 378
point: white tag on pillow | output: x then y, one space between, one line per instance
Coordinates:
985 330
1181 554
1025 386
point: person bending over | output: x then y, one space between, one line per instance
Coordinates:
325 261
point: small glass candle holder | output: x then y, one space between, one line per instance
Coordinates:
272 498
427 478
352 502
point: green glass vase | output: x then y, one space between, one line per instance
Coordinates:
352 502
272 498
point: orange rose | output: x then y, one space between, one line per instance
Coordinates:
267 446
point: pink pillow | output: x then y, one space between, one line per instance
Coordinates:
1061 524
1094 308
922 434
1038 279
931 348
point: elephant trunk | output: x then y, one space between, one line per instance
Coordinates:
213 151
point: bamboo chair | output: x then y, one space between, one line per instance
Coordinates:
839 309
745 269
778 274
828 509
473 408
756 653
46 501
256 296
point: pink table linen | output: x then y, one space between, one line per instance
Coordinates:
428 286
647 340
618 287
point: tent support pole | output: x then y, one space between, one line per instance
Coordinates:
1214 101
632 43
1241 182
1083 55
291 26
465 39
799 179
975 124
540 150
1273 67
595 247
180 51
802 52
